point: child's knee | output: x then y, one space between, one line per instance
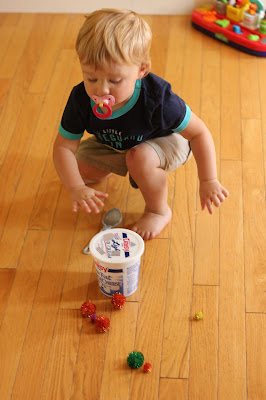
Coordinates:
141 156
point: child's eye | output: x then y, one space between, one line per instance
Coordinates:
92 80
115 81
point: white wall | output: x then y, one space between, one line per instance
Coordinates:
85 6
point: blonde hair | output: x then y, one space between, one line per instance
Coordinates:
111 35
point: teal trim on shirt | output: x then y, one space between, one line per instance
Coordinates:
185 121
69 135
127 107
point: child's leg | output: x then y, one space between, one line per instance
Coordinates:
144 166
91 174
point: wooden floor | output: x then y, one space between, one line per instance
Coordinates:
215 264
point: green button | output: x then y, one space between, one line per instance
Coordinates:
222 22
254 37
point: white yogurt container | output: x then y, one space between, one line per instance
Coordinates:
117 253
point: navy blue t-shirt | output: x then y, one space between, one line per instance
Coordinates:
152 111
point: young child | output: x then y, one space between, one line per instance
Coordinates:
150 131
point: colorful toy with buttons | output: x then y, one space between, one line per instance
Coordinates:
238 23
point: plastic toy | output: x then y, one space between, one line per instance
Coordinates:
147 367
118 300
104 101
241 25
199 315
88 309
135 359
102 324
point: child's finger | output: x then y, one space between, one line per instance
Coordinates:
209 206
85 206
203 204
216 201
101 194
75 206
225 192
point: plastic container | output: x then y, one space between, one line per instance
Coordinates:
117 254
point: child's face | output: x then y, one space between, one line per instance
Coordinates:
118 80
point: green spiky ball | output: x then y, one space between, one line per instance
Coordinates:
135 359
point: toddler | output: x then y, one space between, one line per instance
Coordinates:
138 124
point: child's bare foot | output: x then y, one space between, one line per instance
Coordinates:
151 224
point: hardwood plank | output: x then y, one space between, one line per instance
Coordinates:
230 104
62 359
47 196
254 216
159 44
6 33
173 74
177 28
17 222
74 24
249 88
46 199
211 53
17 153
16 45
191 93
20 81
175 360
173 389
80 266
149 329
18 310
6 281
116 373
256 355
4 86
49 54
11 19
204 345
207 226
232 345
41 326
92 349
262 83
191 85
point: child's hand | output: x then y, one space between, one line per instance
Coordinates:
87 198
212 192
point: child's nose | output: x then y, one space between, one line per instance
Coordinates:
102 89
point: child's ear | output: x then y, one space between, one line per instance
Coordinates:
143 70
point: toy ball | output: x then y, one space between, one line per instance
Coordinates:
147 367
199 315
87 309
135 359
102 324
118 300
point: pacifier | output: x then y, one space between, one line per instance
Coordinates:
104 101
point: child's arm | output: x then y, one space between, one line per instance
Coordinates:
67 168
202 146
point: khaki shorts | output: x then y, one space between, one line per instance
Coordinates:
172 150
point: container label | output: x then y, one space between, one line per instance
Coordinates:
115 245
121 280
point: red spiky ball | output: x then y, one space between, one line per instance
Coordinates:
87 309
147 367
102 324
118 300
